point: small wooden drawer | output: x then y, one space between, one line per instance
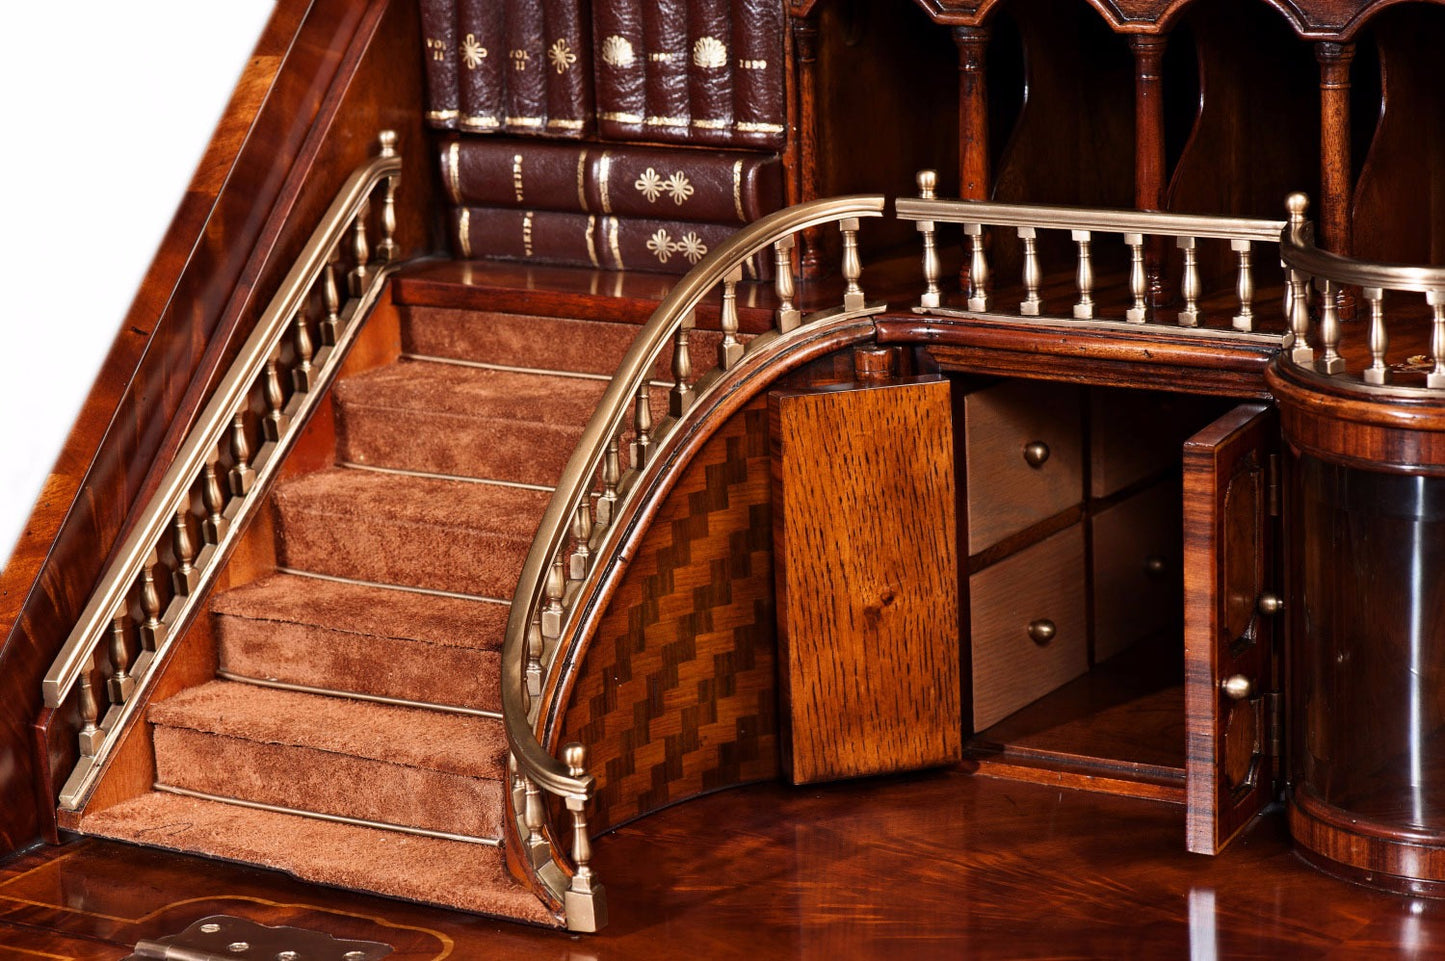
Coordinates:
1007 493
1136 435
1040 585
1138 555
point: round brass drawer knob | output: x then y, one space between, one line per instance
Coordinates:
1042 631
1154 565
1270 604
1237 687
1035 453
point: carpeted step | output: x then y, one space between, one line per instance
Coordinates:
446 535
334 755
538 343
369 640
454 874
464 421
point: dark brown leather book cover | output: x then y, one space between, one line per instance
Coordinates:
660 183
588 240
710 71
668 117
568 38
621 69
525 100
482 64
439 39
759 102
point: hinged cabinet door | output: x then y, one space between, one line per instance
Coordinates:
1230 599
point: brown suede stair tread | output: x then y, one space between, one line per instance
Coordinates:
452 874
446 535
455 744
418 386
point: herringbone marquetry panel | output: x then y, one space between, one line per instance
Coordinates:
677 693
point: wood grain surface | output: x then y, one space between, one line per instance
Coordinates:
863 485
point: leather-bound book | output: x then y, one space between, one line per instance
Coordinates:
482 64
570 110
617 30
525 98
759 103
668 115
439 38
659 183
710 71
589 240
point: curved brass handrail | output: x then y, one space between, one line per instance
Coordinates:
166 520
541 577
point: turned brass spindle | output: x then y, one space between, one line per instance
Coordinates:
1084 309
581 532
152 629
360 250
978 278
1138 280
387 250
611 477
1033 275
534 818
331 300
1330 361
552 611
91 737
789 317
121 684
185 578
242 475
1299 318
1190 287
852 264
273 424
642 425
1377 372
305 351
1436 300
574 755
535 648
1244 286
215 501
729 350
679 399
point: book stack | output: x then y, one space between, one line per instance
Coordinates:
603 205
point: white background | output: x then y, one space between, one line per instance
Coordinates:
107 108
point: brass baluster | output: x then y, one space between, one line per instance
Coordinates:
978 278
1377 372
1084 309
1244 287
729 351
92 738
152 629
534 818
584 900
1436 300
1138 280
852 266
387 250
273 424
680 398
331 299
581 532
789 317
1330 361
1189 287
186 578
215 501
1033 275
242 475
535 648
121 685
553 612
611 477
360 250
642 425
305 351
1299 318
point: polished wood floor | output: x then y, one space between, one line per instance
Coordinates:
938 865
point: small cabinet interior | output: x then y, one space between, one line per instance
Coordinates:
1071 506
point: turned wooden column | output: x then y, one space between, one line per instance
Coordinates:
1149 182
973 173
1335 185
805 40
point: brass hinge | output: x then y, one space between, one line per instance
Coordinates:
1274 723
223 938
1273 489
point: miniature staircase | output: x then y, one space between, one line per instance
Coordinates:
398 568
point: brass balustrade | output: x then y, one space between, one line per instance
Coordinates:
582 528
221 470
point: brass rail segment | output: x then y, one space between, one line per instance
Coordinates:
223 469
594 508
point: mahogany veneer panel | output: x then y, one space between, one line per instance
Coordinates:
867 579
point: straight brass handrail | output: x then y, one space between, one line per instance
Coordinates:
1102 220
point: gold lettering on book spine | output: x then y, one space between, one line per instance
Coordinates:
517 184
527 234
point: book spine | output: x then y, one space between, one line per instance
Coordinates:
525 100
439 38
498 172
482 50
709 71
668 116
568 38
667 246
710 186
621 69
759 102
